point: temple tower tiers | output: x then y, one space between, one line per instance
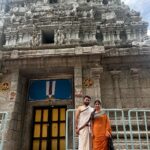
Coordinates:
65 22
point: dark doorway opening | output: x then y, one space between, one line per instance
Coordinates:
48 37
52 1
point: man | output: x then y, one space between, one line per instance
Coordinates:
82 118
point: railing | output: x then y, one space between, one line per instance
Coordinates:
139 121
130 129
118 123
3 121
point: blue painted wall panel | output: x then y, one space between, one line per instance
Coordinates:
37 89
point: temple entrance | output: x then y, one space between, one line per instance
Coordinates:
48 132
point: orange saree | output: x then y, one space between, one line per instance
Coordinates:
101 125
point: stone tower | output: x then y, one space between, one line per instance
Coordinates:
58 22
101 45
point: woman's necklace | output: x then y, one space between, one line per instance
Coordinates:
97 111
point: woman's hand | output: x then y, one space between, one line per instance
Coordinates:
107 134
77 131
92 135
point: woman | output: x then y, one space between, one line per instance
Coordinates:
101 129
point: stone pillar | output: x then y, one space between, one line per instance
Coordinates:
96 74
136 83
94 36
115 77
118 35
104 36
68 36
78 86
109 36
134 34
140 34
12 40
77 34
90 36
85 36
13 123
144 32
20 37
73 35
128 34
113 36
7 40
15 39
55 37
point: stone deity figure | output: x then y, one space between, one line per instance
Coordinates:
13 18
74 10
28 15
91 13
59 37
35 37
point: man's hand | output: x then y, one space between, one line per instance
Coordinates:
76 119
77 131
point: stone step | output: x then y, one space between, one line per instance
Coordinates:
126 122
121 144
129 146
134 133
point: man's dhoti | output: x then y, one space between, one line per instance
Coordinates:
84 133
84 139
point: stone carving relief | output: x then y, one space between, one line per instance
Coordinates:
28 15
24 39
78 18
35 37
144 42
84 14
74 10
14 9
91 13
109 15
59 36
67 34
13 18
10 40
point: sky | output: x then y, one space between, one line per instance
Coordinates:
142 6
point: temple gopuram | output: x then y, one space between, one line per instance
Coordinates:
54 52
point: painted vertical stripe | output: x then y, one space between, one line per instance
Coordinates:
47 88
53 87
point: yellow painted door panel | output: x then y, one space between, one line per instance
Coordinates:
49 128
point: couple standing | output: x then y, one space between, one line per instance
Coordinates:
92 126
